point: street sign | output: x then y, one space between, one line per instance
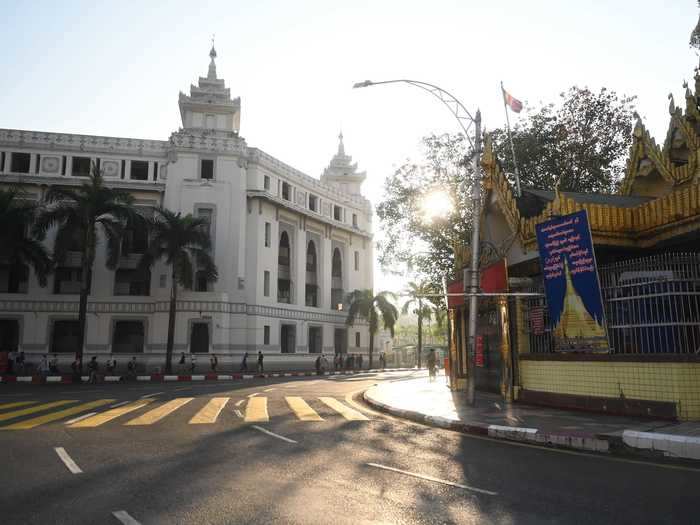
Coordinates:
571 285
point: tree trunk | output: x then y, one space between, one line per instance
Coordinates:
420 331
171 325
87 259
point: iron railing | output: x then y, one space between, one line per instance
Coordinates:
652 306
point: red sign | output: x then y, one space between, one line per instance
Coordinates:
494 278
479 351
453 301
537 320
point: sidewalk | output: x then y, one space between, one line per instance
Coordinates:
434 404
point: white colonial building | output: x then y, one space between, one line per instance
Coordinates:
288 246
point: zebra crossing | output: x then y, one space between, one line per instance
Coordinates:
26 415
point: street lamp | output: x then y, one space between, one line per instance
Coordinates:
465 121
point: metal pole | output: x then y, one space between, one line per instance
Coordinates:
474 287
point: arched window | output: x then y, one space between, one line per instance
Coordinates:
337 270
311 279
283 256
284 274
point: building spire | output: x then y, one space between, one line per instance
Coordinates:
341 146
212 65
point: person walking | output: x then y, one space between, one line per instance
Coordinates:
214 362
53 365
75 368
20 363
93 367
131 368
261 368
431 364
318 365
44 367
193 363
182 362
110 366
244 363
382 361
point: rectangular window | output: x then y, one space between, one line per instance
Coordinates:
266 283
81 166
155 170
14 279
2 161
354 220
128 337
313 203
38 163
288 338
134 240
266 334
207 214
123 168
357 261
286 191
64 336
207 169
19 163
67 281
268 227
64 162
139 170
337 213
199 338
357 338
266 182
132 282
200 282
315 340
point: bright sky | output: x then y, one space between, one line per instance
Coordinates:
116 68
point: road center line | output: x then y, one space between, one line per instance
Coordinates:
268 390
125 517
76 419
261 429
153 394
253 394
430 478
67 460
119 404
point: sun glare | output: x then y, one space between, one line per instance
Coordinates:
436 205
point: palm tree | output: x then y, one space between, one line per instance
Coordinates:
17 249
417 293
374 308
82 216
184 243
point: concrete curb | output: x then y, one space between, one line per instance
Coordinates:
160 378
648 445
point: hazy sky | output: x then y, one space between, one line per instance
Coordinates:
115 68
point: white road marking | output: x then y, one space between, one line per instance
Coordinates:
153 394
239 403
436 480
268 390
67 460
239 413
183 388
84 416
119 404
253 394
125 517
261 429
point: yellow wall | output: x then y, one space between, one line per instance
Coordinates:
676 382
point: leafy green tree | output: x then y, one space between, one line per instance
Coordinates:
419 298
580 145
82 218
18 248
183 242
374 309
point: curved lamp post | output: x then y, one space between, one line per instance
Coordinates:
466 121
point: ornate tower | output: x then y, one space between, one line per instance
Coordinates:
209 106
341 173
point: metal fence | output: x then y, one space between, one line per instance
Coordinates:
652 306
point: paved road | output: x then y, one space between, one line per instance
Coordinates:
298 451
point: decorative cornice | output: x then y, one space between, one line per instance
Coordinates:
84 143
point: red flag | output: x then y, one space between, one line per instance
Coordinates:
512 102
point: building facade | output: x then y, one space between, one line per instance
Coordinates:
288 247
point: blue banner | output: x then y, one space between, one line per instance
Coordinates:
572 289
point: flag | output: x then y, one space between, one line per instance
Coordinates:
512 102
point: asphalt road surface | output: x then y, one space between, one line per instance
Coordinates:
295 451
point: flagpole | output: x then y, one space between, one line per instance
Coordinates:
510 138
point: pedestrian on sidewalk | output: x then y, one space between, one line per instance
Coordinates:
244 363
261 368
110 366
182 362
431 364
318 366
75 368
93 368
20 363
193 363
382 361
44 367
214 362
53 365
131 368
324 363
